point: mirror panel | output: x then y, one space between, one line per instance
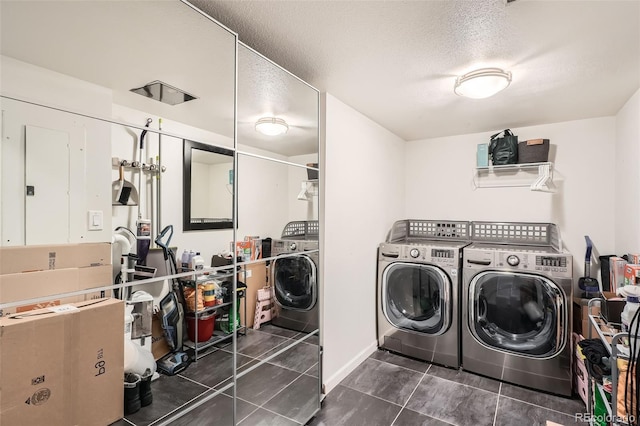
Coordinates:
208 187
87 56
267 90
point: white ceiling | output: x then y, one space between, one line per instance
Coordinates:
396 61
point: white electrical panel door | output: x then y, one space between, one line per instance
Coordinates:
46 186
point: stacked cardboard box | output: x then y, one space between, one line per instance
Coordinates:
581 322
29 272
63 365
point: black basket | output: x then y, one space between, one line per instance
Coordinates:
533 151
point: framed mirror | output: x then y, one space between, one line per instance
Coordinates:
208 187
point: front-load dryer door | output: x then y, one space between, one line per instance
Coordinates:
517 313
416 297
294 282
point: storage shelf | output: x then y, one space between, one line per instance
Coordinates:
218 337
209 309
610 338
535 176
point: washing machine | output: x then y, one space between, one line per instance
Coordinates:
418 287
294 277
516 306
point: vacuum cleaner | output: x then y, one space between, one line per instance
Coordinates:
172 314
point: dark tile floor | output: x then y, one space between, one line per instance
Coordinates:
278 392
387 389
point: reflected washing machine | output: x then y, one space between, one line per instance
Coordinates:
419 268
294 277
516 306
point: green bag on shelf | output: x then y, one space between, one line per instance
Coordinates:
227 319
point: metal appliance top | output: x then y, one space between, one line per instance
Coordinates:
517 233
410 230
301 230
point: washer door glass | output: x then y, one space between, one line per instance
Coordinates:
294 282
416 297
518 313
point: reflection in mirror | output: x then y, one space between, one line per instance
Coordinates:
263 182
86 56
286 385
208 187
45 154
85 66
266 92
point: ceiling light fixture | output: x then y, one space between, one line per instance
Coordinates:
272 126
482 83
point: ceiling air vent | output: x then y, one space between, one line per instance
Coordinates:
163 92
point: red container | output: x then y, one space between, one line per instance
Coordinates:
206 322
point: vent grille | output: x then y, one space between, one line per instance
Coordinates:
306 229
428 229
520 233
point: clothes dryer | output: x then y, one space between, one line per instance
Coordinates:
516 306
418 289
294 277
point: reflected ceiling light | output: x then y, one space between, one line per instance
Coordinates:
272 126
482 83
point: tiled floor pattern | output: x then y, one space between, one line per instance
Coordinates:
387 389
276 393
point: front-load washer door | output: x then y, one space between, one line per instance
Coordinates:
294 282
416 297
518 313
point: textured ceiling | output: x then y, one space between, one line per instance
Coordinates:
396 61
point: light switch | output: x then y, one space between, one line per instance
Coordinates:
95 220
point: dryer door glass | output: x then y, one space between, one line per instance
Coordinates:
517 313
416 297
294 282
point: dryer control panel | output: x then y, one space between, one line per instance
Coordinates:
553 264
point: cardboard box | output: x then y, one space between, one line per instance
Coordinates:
581 323
63 366
30 285
159 345
254 276
631 274
613 306
46 257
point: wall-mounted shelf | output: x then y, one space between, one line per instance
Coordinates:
308 190
535 176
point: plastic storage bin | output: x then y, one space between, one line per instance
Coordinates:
206 322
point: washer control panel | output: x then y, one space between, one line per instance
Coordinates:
440 256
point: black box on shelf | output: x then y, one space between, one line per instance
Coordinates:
612 307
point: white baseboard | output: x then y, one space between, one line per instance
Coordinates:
336 378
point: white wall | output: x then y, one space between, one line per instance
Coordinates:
363 190
89 144
125 145
439 184
299 209
627 177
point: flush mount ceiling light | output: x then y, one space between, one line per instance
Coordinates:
482 83
272 126
163 92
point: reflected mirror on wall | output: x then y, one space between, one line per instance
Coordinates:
208 187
